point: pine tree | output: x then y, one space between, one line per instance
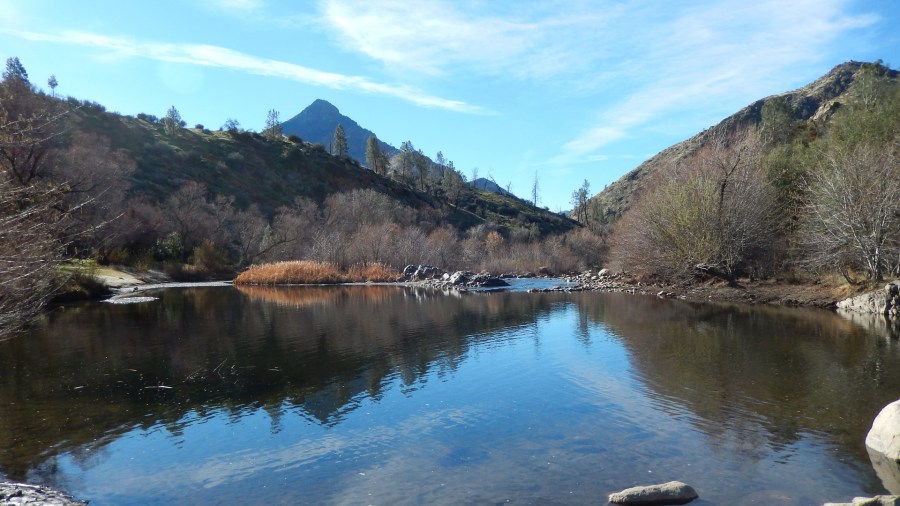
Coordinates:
172 122
52 83
15 70
374 156
339 146
273 128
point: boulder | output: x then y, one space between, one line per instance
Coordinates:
458 278
883 302
673 492
409 270
426 272
12 493
888 471
884 436
604 272
878 500
486 280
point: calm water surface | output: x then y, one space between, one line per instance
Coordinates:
388 395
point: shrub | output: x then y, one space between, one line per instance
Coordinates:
313 272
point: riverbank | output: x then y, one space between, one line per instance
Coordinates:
124 282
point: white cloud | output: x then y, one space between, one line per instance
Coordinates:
717 55
431 37
216 56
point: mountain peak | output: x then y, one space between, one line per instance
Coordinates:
316 123
321 106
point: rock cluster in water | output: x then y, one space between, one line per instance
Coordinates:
884 302
433 276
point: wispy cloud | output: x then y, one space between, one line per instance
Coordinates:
716 53
433 37
220 57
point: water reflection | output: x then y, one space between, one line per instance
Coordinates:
428 398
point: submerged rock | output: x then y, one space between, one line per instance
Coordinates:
673 492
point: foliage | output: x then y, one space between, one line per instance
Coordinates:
715 210
339 146
273 130
172 121
15 70
314 272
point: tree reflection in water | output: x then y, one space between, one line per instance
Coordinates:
755 381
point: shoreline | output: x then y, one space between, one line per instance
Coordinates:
768 292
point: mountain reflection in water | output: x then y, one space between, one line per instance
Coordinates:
328 394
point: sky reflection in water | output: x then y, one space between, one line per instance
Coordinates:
401 396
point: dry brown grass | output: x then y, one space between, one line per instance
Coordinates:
309 272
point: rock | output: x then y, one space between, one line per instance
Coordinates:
884 436
878 500
22 494
884 302
458 278
604 272
887 470
426 272
409 270
673 492
485 280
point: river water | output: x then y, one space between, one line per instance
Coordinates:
397 395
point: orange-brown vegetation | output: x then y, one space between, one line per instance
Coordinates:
310 272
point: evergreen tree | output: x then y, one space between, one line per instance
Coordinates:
375 158
273 128
172 122
52 83
15 70
339 146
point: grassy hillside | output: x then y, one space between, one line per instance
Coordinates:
272 173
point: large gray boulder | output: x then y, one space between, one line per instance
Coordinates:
673 492
884 436
15 494
886 469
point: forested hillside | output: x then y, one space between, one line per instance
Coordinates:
803 183
83 183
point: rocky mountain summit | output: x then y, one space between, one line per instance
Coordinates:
814 103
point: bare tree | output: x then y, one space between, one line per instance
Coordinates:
715 209
30 205
854 211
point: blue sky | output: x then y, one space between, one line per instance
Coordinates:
568 90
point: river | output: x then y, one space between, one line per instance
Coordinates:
399 395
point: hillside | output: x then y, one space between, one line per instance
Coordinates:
488 186
814 102
272 173
316 124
